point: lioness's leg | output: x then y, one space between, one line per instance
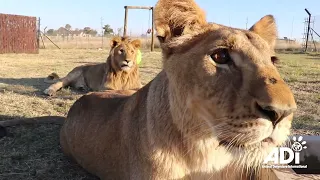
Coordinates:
81 85
71 78
53 88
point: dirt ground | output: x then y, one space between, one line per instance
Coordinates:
33 152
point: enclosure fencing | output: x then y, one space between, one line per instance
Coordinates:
18 34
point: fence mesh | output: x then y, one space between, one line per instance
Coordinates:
316 28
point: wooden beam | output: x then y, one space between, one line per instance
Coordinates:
138 7
125 21
38 35
152 32
50 40
125 27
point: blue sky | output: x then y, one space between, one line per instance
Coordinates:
78 14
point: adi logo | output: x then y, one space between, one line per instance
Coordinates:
278 155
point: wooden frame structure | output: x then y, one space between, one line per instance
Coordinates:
150 8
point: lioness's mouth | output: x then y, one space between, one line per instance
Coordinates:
267 140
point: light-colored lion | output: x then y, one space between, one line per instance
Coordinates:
120 72
215 111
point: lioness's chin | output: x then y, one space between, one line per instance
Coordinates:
251 155
264 143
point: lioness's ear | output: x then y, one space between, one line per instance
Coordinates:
175 18
115 41
267 29
136 43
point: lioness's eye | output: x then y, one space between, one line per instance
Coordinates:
221 56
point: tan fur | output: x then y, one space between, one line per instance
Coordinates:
266 28
104 76
196 119
168 22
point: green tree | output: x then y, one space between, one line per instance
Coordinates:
93 32
107 29
68 27
87 30
50 32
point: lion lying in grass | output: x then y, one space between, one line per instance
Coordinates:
216 110
120 72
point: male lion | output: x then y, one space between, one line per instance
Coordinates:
120 72
216 109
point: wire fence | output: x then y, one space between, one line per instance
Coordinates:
316 25
87 42
316 29
311 38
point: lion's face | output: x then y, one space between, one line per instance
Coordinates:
227 79
124 53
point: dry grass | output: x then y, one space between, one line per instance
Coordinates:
33 152
286 45
302 72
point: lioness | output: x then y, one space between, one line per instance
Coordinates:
120 72
216 110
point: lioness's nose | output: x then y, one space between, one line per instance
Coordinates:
273 97
275 114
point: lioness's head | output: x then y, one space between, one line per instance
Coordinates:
223 83
124 53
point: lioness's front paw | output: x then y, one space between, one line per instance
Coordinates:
49 92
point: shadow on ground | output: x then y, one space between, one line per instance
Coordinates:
35 87
32 151
37 84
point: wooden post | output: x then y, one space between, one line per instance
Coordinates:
125 21
125 27
152 31
50 40
42 42
38 37
102 33
309 19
